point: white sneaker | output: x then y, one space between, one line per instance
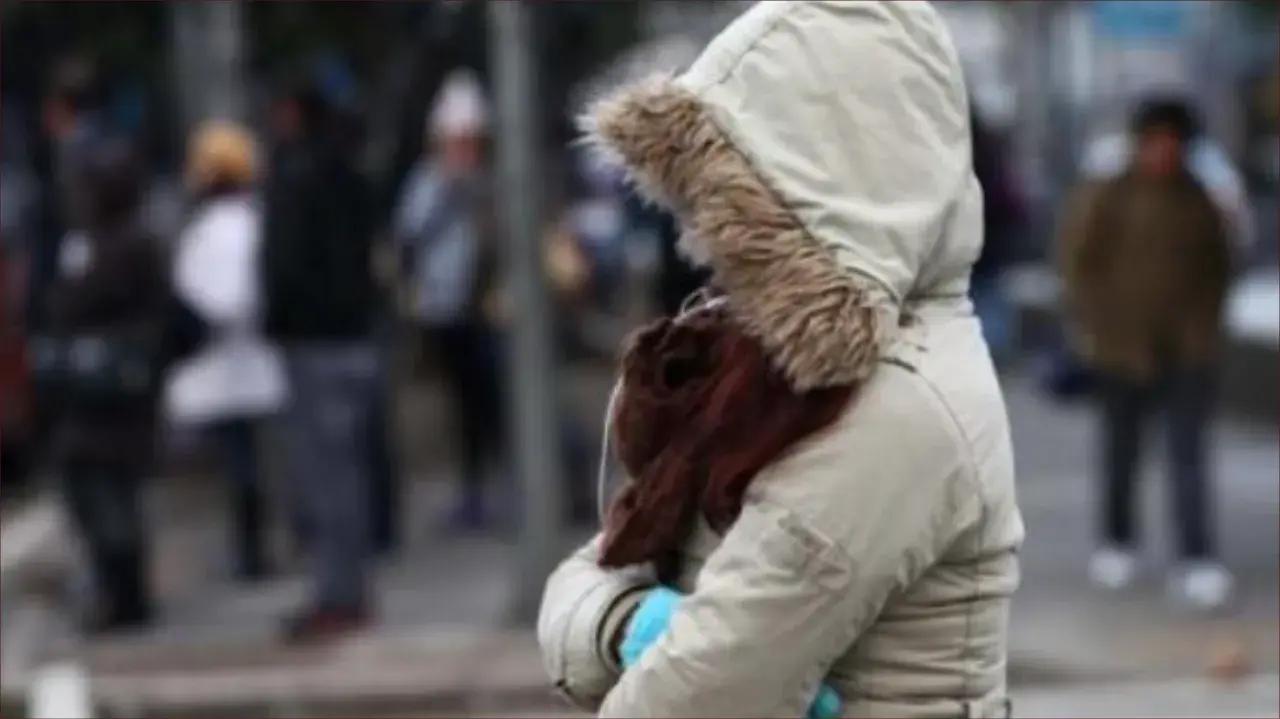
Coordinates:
1203 585
1113 568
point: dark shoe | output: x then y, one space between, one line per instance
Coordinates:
320 625
252 570
386 539
123 600
104 618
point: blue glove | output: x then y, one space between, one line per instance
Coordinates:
650 620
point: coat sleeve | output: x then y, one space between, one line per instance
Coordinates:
583 609
419 197
828 534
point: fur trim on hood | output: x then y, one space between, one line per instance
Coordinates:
815 190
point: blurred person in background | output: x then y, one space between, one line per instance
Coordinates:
1003 218
73 125
320 298
444 226
236 379
338 82
1146 262
384 465
70 126
107 306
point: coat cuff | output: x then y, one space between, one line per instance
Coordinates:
613 626
586 667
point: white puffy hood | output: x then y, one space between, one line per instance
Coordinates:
818 156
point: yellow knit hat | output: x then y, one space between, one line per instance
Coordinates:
220 152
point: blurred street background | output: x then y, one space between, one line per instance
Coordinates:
439 396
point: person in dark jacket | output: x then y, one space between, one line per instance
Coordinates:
321 298
72 126
110 283
1146 261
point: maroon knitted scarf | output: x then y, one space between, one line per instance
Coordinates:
701 411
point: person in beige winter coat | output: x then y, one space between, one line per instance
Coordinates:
818 156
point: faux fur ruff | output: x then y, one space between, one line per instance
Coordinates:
815 319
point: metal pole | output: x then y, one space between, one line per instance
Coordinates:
225 48
208 49
532 367
184 44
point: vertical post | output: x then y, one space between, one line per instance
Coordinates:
225 41
184 42
208 47
531 364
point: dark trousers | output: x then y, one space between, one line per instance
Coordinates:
384 470
237 444
105 503
327 430
469 359
1187 396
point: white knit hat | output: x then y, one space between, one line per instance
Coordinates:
461 108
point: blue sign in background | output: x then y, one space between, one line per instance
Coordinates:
1143 19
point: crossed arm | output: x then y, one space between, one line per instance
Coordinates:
778 602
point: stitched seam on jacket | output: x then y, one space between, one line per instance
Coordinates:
731 65
848 568
966 655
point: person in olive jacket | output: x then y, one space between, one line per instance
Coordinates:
1146 260
110 281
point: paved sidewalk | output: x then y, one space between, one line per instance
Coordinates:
1256 698
441 648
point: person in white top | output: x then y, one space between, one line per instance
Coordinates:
237 378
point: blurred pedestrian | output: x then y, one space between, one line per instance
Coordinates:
73 126
100 364
1146 259
236 379
1003 217
70 126
320 304
444 228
